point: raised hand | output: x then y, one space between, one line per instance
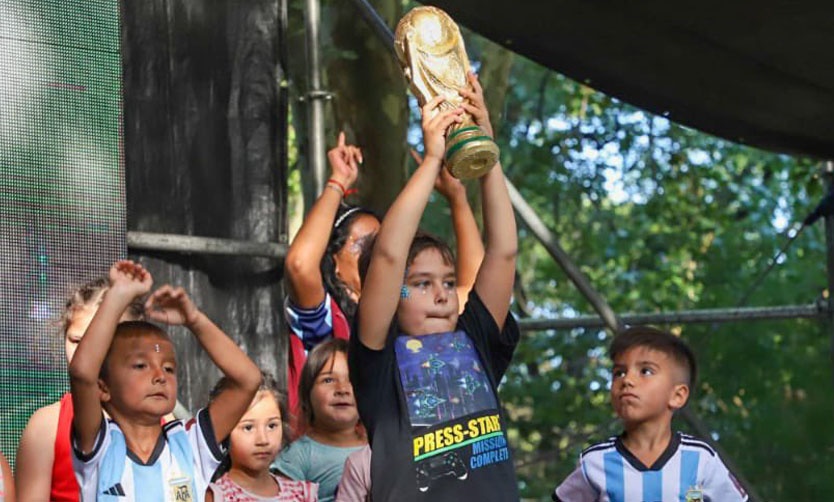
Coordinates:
435 123
130 278
475 104
172 306
344 162
448 186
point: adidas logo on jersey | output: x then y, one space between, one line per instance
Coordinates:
116 490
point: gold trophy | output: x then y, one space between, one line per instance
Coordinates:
430 50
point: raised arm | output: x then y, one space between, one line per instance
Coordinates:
470 247
173 306
494 283
381 290
306 287
128 281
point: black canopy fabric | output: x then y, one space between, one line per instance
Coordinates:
760 73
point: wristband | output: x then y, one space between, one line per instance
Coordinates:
336 188
342 187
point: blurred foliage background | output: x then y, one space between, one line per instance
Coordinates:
659 216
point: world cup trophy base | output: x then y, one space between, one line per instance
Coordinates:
470 153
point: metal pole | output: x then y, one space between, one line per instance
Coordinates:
828 178
543 234
204 245
812 310
315 105
283 113
369 14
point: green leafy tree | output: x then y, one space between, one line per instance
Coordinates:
660 217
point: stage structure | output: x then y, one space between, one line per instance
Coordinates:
156 128
62 200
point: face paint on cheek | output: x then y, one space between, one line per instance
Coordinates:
404 292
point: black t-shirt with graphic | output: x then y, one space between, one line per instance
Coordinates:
431 409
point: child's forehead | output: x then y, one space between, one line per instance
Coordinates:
642 353
80 320
142 343
264 404
430 261
330 365
364 224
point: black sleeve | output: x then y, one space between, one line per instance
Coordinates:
217 446
497 346
372 374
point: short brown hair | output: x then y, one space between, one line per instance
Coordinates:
91 294
661 341
421 242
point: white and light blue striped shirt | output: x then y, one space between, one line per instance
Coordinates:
178 470
688 470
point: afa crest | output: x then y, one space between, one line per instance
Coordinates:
181 490
695 495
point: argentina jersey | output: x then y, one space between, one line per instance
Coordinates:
689 470
178 470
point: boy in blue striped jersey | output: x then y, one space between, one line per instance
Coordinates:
129 369
651 379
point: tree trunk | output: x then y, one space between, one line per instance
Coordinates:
370 101
203 152
494 76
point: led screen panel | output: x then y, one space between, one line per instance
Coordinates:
62 216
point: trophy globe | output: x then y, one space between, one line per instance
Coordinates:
430 50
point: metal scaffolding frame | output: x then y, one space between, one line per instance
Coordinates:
605 318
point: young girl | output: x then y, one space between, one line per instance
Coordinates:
253 445
330 419
44 464
321 265
322 262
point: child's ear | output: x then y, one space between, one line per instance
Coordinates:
336 268
680 394
104 391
